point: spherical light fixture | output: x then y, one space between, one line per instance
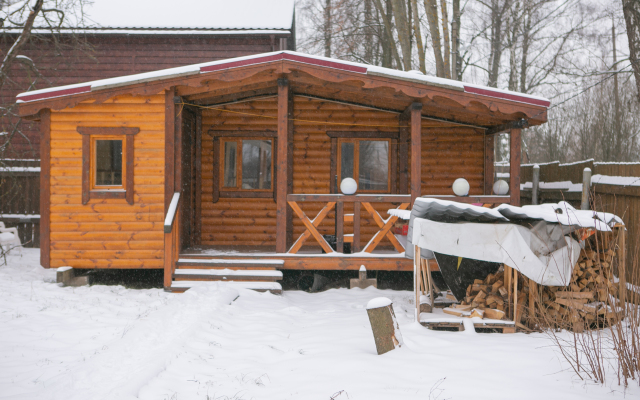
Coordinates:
348 186
500 187
461 187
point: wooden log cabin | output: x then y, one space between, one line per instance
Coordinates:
237 163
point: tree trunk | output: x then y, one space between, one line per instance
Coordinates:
445 39
617 123
526 37
388 44
19 43
431 9
497 13
327 28
403 27
368 32
456 61
631 9
418 34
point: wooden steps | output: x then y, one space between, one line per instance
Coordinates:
254 274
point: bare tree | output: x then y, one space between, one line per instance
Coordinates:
631 9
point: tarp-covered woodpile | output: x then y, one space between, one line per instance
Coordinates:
547 265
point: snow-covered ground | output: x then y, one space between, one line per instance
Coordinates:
109 342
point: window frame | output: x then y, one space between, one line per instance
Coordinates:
218 137
239 161
89 137
356 161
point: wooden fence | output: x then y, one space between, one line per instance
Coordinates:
20 198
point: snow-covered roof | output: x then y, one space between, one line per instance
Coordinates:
279 56
160 16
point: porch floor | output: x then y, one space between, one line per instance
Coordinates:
307 258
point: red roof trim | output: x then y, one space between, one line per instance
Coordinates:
55 93
284 56
507 96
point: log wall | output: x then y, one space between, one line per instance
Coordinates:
108 233
447 154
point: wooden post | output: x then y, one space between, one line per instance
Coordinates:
535 184
515 295
489 159
533 294
340 227
416 149
169 172
45 187
403 152
515 156
416 284
622 266
282 166
586 186
355 246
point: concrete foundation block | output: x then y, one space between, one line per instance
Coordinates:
362 281
70 277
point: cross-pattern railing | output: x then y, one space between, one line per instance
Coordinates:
338 201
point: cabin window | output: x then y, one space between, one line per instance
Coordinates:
247 164
107 163
367 161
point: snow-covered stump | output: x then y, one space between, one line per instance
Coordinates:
386 331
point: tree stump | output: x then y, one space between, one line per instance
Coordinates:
386 331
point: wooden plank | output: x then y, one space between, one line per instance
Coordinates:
282 166
197 229
369 198
333 169
340 227
290 161
169 150
363 134
403 152
45 187
86 168
310 227
216 170
129 169
316 222
416 153
355 245
489 155
515 155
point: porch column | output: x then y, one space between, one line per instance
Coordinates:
489 159
515 155
284 167
416 148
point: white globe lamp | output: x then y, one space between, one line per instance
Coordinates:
501 187
461 187
348 186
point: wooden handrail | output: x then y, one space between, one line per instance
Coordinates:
358 198
171 212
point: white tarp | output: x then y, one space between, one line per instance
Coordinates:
542 253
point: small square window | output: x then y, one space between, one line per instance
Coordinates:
107 163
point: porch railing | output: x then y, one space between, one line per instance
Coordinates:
361 200
171 238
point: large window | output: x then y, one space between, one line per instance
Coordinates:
107 163
246 164
367 161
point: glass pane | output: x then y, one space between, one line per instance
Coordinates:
373 165
256 164
346 161
108 163
230 152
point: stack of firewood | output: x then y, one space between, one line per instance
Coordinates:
588 301
484 298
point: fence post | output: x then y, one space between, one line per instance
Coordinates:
536 184
586 186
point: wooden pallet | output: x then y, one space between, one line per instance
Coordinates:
479 327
